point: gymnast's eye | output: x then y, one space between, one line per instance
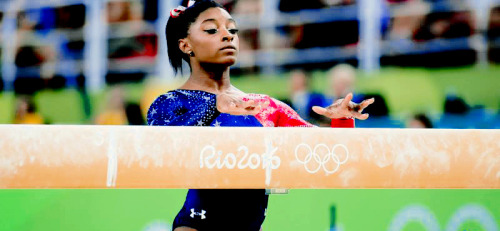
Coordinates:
233 31
211 31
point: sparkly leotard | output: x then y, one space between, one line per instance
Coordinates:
222 209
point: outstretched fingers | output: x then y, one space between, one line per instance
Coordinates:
365 103
346 101
360 116
320 110
345 108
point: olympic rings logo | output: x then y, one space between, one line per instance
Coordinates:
313 162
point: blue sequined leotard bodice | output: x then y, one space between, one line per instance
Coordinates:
210 209
193 108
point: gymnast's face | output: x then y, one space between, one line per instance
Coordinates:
213 38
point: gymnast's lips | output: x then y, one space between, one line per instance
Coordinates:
230 47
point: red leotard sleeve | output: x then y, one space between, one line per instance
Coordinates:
278 114
342 123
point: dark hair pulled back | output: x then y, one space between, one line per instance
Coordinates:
177 28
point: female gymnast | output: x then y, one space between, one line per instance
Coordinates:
203 34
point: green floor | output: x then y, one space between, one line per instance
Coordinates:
348 210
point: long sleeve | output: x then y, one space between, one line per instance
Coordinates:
278 114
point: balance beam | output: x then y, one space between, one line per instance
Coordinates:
84 156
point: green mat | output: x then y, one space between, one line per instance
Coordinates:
321 210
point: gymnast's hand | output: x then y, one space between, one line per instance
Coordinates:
235 102
345 108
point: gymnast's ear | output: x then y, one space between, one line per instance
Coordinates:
184 46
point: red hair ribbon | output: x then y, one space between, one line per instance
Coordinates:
174 13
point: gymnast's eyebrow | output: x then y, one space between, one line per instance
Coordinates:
213 20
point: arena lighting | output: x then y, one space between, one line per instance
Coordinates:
84 156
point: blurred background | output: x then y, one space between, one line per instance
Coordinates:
428 64
105 61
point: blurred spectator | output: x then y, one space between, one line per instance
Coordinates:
419 120
302 99
118 112
28 85
144 45
114 112
135 38
494 23
247 7
455 105
116 77
70 17
291 6
35 53
410 14
26 112
28 56
342 80
134 114
379 108
415 21
249 38
445 25
340 33
456 114
30 49
121 11
494 34
132 44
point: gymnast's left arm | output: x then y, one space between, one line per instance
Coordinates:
342 113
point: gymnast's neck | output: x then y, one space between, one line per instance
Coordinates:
210 78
